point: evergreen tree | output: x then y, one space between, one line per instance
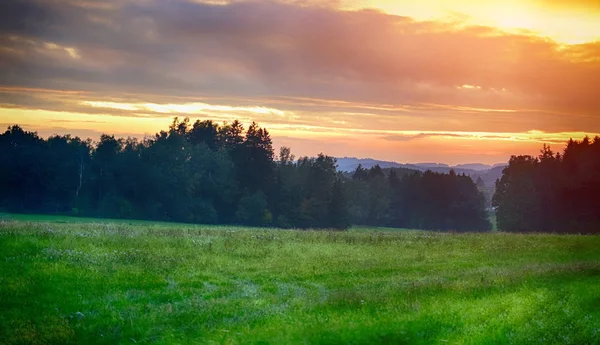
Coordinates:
552 192
205 132
338 209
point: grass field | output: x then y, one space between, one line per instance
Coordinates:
65 280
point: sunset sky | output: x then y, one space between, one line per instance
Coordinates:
410 81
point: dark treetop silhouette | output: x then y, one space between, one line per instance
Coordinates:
210 173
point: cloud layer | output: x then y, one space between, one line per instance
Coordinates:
289 63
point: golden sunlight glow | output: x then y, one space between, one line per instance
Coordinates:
451 147
469 87
568 24
60 122
114 124
185 108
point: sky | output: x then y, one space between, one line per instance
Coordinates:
429 81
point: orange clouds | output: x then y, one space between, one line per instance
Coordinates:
563 21
311 73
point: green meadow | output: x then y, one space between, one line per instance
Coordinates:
88 281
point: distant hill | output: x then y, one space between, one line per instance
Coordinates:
474 166
490 176
432 165
488 173
350 164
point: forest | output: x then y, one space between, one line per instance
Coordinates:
554 192
210 173
195 173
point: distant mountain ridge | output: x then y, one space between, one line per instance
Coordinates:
474 166
488 173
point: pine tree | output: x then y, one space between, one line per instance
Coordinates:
338 208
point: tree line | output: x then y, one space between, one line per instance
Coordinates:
553 192
197 173
210 173
403 198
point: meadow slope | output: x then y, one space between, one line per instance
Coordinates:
118 282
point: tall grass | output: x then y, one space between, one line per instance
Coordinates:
115 282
